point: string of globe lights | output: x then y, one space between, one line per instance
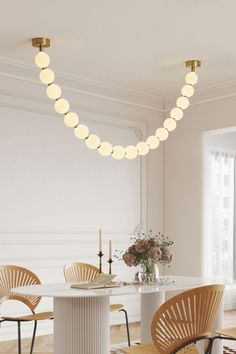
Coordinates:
81 130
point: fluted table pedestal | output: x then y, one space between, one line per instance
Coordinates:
81 325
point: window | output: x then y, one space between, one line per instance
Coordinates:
222 195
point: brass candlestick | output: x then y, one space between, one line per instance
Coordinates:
100 254
110 261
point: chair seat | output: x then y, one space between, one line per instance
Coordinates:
32 317
116 307
227 332
151 349
141 349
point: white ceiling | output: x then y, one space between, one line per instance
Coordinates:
137 44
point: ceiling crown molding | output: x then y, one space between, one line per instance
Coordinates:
19 70
215 92
15 68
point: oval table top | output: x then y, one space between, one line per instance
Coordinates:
63 290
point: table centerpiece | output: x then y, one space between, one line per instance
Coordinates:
148 250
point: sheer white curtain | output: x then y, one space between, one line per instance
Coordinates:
222 197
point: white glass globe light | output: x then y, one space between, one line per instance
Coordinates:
62 106
42 60
118 152
105 149
170 124
46 76
187 90
81 131
53 92
162 134
131 152
191 78
93 141
177 113
143 148
182 102
153 142
71 119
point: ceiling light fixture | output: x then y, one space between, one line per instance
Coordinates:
81 131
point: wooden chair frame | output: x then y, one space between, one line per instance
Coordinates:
78 271
182 320
12 276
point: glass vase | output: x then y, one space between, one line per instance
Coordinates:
150 273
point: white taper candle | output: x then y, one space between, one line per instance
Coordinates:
110 250
100 239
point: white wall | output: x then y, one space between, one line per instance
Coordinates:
184 182
54 192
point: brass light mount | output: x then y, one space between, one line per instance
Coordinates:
193 64
41 43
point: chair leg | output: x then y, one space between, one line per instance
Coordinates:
33 338
19 337
127 325
210 346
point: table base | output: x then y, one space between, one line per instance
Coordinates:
81 325
150 302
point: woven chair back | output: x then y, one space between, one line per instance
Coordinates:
76 272
12 277
185 317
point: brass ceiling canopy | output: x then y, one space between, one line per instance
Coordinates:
193 64
41 42
82 132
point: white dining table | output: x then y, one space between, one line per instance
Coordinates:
81 317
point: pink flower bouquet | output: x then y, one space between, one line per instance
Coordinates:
148 250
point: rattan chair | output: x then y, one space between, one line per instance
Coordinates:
182 321
76 272
13 277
